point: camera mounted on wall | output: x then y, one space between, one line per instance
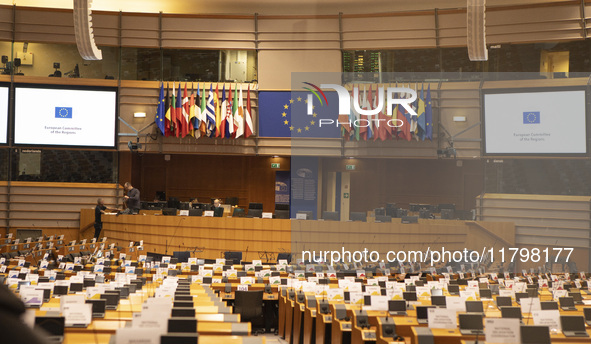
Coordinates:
56 73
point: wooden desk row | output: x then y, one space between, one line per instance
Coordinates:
307 322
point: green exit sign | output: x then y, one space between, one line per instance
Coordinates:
275 165
350 167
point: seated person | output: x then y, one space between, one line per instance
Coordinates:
218 211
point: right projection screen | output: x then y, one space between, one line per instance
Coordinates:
535 122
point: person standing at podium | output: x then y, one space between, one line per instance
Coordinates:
98 221
132 199
218 211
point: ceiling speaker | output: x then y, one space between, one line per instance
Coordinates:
476 25
83 29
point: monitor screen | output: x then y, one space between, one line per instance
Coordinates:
3 115
547 121
58 116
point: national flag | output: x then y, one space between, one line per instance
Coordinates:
192 114
159 119
185 113
210 113
370 106
421 116
63 112
343 120
224 104
179 114
363 120
354 115
413 119
239 115
249 129
173 117
203 114
218 113
167 119
531 117
229 116
429 115
404 121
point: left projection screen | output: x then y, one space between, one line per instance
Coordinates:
65 117
3 115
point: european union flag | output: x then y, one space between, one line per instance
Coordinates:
63 112
284 114
531 117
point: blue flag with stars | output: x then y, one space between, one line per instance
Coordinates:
428 115
63 112
285 114
160 111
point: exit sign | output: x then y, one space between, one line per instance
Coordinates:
350 167
274 165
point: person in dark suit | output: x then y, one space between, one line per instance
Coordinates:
12 327
218 211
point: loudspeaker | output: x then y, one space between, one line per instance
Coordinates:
476 24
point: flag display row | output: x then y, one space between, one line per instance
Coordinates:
204 113
374 127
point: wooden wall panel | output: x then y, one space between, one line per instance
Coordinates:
53 207
543 221
375 182
185 176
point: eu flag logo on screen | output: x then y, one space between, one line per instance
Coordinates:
531 117
63 112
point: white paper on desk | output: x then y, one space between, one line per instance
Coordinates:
441 318
320 289
507 292
356 298
67 300
344 284
423 291
530 304
94 293
379 303
469 295
394 294
308 287
33 278
160 306
455 303
519 287
335 294
502 331
149 321
77 313
246 280
373 290
32 297
550 318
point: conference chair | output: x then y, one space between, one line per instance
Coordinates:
249 304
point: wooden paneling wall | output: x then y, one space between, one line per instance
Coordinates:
254 237
185 176
52 207
375 182
543 221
